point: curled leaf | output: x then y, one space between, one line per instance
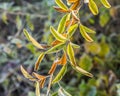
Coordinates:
93 7
30 38
42 83
88 30
84 34
60 74
57 35
105 3
26 74
39 61
70 53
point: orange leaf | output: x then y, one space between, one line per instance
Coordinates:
75 5
40 77
60 9
63 59
42 83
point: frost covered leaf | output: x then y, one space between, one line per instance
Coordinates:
84 34
26 74
105 3
39 61
60 74
70 53
30 38
93 7
57 35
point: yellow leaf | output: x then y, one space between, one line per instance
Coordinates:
37 91
60 74
105 3
30 38
26 74
72 30
84 34
57 35
61 4
77 68
61 26
88 30
55 48
39 61
93 7
70 53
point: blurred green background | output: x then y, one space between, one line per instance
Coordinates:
101 58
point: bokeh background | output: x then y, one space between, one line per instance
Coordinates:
101 58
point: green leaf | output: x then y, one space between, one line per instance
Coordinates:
60 74
57 35
30 38
61 26
75 45
61 4
105 3
56 48
84 34
37 91
70 53
62 92
88 30
93 7
72 30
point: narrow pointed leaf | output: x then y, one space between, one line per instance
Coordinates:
61 27
77 68
105 3
75 5
61 4
70 53
55 48
37 90
57 35
75 45
60 74
88 30
84 34
52 69
63 92
30 38
72 30
93 7
40 77
72 1
42 83
26 74
39 61
60 9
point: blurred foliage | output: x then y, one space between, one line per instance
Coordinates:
102 58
